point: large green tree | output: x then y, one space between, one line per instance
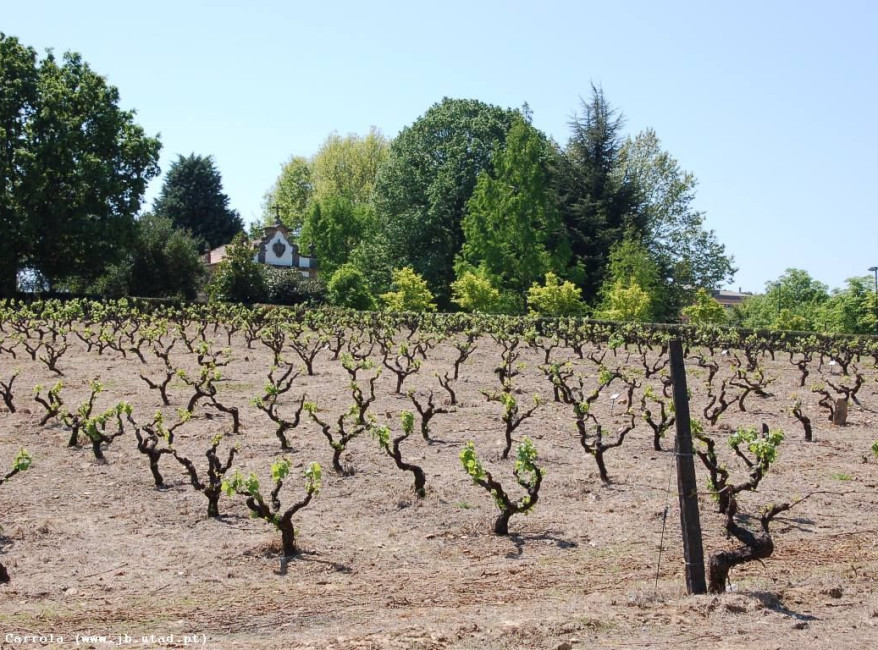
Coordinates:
73 168
689 255
793 301
346 166
164 261
192 198
512 228
422 189
599 205
290 196
335 225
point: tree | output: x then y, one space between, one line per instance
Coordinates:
674 233
598 204
335 225
73 168
411 292
852 310
630 264
162 262
626 303
291 195
239 277
512 228
192 197
793 301
422 189
346 166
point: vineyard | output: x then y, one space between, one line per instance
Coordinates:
278 477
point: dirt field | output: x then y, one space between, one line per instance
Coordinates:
96 549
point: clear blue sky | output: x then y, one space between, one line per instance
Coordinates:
772 105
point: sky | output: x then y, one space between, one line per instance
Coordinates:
771 104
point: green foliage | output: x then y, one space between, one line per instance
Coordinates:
291 194
411 293
345 167
512 228
22 460
705 310
289 287
525 462
631 266
163 262
474 292
335 225
192 198
792 302
764 448
421 191
626 303
555 298
73 169
674 231
239 278
875 448
348 288
852 310
471 464
598 201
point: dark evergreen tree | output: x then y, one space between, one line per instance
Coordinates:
192 198
598 202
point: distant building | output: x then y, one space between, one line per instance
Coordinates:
729 299
274 249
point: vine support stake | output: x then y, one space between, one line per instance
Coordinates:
687 489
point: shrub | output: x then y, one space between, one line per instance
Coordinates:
705 310
289 287
555 298
348 288
412 293
239 277
473 291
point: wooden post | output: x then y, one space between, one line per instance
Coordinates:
687 489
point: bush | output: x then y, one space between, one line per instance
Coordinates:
555 298
411 292
289 287
473 291
239 277
705 310
348 288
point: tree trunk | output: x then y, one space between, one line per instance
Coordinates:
288 537
501 526
154 468
602 467
758 547
213 498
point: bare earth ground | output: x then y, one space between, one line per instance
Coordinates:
96 549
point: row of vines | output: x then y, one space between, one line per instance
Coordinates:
607 381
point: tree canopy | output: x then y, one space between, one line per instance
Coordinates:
422 190
192 198
73 168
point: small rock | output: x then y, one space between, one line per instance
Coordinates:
833 592
565 645
800 625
